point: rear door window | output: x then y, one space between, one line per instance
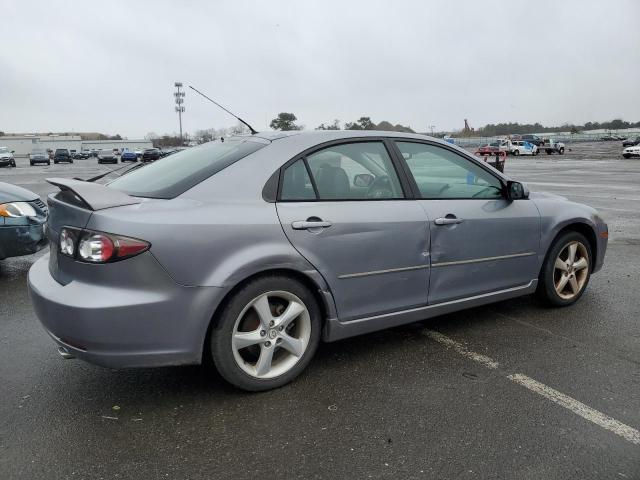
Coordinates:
173 175
349 171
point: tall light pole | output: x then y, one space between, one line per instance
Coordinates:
179 96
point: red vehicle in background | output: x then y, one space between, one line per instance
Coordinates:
497 151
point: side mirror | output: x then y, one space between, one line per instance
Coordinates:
363 180
13 151
516 191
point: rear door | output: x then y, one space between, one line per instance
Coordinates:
345 208
480 241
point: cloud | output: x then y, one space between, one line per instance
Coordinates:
111 68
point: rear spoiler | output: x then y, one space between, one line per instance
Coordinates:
94 195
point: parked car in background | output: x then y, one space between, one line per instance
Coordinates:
22 219
107 156
39 155
633 151
150 154
128 156
630 142
552 146
522 147
62 155
536 140
6 157
251 251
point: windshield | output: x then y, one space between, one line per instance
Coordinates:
4 150
174 175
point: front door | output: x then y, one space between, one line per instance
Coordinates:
345 210
480 241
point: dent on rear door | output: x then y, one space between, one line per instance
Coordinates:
374 256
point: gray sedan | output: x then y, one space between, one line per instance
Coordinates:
251 251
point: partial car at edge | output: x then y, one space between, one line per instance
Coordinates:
22 219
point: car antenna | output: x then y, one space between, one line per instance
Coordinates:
253 132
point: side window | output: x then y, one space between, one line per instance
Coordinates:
296 184
441 173
355 171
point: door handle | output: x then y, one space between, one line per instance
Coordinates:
307 224
448 220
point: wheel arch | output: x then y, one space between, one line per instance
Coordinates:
581 227
312 280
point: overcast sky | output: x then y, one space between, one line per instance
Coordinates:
110 66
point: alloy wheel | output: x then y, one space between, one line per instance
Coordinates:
571 270
271 334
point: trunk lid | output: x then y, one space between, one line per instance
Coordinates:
73 206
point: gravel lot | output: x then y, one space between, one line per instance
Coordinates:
510 390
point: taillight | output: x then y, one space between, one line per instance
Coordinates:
98 247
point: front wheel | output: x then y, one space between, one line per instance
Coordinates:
516 152
267 333
566 270
561 151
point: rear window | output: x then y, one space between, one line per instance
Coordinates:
171 176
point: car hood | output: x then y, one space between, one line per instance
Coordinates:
546 195
13 193
5 155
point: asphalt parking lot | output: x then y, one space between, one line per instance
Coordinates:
510 390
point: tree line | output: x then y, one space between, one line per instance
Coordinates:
491 129
287 121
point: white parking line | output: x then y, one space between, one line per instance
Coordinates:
594 416
461 349
605 421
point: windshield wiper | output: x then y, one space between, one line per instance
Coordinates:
102 175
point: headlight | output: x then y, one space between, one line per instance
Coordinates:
16 210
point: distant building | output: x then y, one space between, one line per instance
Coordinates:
22 145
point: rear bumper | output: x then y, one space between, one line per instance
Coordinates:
16 241
146 320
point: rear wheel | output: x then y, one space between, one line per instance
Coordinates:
626 155
267 333
566 270
516 152
549 152
561 151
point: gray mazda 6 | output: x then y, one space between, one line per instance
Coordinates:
250 251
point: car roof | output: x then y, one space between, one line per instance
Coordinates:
304 139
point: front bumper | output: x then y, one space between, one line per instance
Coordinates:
143 320
5 162
18 240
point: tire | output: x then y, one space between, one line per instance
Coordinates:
55 162
49 162
561 151
549 152
516 153
240 365
625 155
551 276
